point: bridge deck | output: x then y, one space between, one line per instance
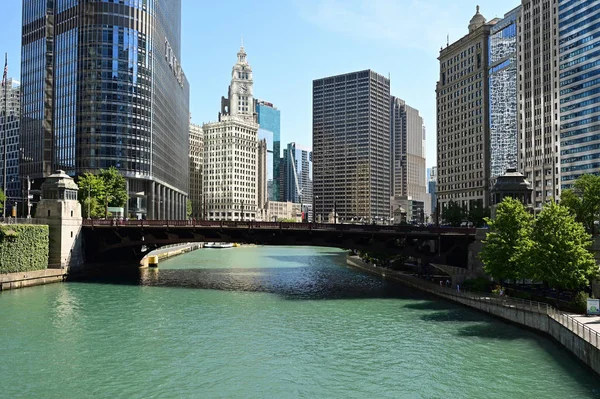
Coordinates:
394 229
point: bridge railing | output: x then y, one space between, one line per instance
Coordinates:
277 225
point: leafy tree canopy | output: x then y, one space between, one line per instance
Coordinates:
453 214
505 249
478 214
189 208
559 253
98 192
583 200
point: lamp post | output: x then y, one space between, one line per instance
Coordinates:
334 212
242 210
315 197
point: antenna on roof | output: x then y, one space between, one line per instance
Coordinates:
447 40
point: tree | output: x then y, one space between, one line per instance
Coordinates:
507 243
91 191
453 214
583 200
188 208
116 187
559 253
98 192
478 213
2 199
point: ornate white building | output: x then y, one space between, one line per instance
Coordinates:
230 181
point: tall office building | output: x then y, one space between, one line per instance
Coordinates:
196 170
351 146
269 128
230 181
10 128
463 118
579 30
102 86
407 134
297 175
539 157
503 94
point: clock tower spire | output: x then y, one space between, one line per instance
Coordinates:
241 100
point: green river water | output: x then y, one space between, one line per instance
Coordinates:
268 322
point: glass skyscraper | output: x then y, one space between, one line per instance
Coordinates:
102 86
579 76
297 175
269 121
503 94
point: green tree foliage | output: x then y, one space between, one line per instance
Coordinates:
584 200
453 214
116 186
91 192
188 209
507 243
559 254
2 199
478 214
98 192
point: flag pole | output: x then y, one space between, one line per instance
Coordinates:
4 83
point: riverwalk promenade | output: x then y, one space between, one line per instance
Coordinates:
577 333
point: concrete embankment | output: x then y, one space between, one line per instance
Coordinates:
170 251
580 340
11 281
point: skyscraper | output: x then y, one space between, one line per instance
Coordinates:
579 90
351 146
196 170
503 94
10 128
408 151
269 128
297 175
462 118
102 86
231 151
538 99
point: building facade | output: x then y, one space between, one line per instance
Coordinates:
297 175
463 118
196 170
407 134
269 128
10 101
262 166
579 95
503 96
537 79
351 146
230 180
102 86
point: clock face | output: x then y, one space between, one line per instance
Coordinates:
243 89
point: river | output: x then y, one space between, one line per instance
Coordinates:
268 322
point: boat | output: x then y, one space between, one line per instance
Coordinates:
218 245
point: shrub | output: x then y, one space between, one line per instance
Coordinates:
579 302
23 248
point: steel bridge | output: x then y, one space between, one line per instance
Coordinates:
128 241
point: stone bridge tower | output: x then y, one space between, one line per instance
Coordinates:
60 209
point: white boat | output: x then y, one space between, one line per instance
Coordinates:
218 245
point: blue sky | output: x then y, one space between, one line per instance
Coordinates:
291 42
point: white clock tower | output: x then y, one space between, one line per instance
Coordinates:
241 101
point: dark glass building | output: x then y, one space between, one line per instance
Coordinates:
269 121
351 147
102 86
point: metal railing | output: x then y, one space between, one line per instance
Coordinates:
275 225
578 328
10 220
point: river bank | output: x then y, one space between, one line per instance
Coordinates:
575 336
